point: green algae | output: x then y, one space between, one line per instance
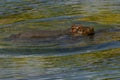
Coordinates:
94 55
82 59
103 18
70 60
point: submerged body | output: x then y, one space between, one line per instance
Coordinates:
38 34
75 30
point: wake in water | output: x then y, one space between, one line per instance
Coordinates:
63 44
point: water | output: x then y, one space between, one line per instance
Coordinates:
64 58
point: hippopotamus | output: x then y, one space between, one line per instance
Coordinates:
75 34
75 30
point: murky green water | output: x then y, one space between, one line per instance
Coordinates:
64 58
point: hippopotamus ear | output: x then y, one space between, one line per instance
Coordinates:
80 25
92 28
73 25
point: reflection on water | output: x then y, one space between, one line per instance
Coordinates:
40 61
93 66
19 10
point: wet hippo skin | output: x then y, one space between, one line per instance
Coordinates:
38 34
75 30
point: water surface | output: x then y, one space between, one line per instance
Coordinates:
64 58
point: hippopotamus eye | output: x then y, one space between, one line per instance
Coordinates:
77 27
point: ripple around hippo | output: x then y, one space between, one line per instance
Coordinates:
75 30
64 43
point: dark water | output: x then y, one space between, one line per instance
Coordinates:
65 57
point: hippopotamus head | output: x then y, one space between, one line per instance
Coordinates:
81 30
